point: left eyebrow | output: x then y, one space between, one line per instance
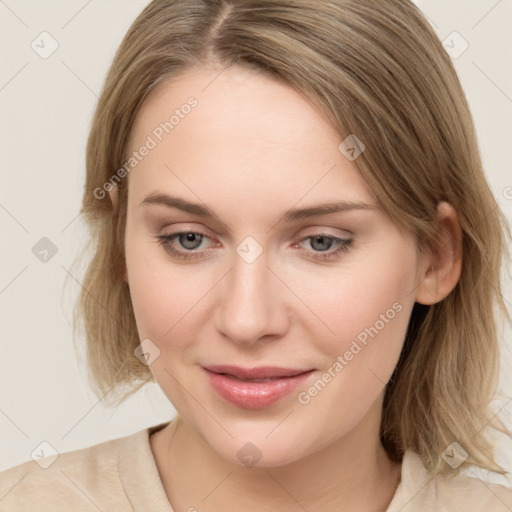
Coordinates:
290 215
325 209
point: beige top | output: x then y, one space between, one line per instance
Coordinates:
121 475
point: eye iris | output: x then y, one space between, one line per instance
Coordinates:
325 243
190 240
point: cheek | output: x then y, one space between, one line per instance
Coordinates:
166 298
369 302
369 311
167 303
150 289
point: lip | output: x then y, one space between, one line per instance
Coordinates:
237 385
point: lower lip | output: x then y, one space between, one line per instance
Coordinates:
254 395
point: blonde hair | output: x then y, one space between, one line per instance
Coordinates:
375 69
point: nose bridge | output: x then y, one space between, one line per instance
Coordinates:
250 305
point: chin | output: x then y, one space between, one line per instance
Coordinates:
250 447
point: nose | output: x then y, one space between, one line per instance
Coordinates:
251 303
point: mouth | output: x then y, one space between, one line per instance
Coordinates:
254 388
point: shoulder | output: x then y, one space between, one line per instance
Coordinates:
85 479
474 494
446 493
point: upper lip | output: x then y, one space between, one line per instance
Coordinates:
261 372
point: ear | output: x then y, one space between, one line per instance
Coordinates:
440 270
114 198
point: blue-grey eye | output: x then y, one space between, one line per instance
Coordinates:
190 240
324 242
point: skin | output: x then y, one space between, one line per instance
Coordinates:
252 149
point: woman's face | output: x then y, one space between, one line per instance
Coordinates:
263 280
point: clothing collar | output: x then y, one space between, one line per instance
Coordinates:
139 474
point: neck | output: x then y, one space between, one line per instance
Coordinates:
354 473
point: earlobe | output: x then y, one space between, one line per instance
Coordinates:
441 269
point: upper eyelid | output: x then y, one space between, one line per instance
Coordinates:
159 217
316 229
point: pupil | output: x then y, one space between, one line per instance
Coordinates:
324 241
191 240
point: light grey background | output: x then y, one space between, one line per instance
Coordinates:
46 109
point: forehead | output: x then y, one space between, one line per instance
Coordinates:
248 137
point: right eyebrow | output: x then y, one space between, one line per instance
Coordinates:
181 204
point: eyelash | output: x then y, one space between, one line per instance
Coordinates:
165 241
